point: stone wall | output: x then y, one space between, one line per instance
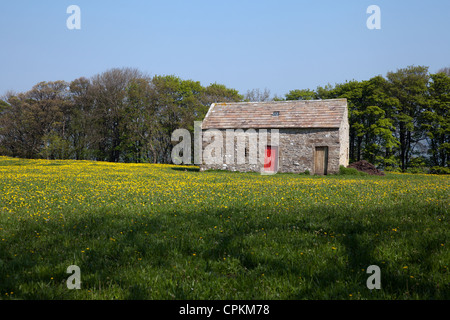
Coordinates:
344 140
296 151
297 148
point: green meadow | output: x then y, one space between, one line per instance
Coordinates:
145 231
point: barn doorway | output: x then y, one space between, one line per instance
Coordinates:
321 160
271 159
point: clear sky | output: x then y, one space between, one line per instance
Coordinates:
279 45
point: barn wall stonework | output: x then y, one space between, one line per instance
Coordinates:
344 140
297 148
296 151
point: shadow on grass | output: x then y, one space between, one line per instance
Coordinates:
189 169
16 162
118 250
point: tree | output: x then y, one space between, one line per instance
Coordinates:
31 121
3 105
376 133
445 70
140 124
215 93
172 101
408 87
256 95
435 120
301 95
14 134
108 95
82 130
326 92
379 105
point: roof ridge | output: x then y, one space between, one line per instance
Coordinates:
281 101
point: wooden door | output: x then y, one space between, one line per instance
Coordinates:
321 160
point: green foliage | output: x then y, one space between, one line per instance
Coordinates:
417 165
220 93
393 169
120 115
350 171
301 95
417 170
3 105
55 147
435 119
440 170
409 88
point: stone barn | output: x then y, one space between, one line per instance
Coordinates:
284 136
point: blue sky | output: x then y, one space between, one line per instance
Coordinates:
279 45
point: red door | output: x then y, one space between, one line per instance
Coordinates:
271 159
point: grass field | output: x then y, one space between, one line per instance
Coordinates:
142 231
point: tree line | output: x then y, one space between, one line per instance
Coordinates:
398 122
120 115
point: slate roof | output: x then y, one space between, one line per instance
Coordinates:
276 114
